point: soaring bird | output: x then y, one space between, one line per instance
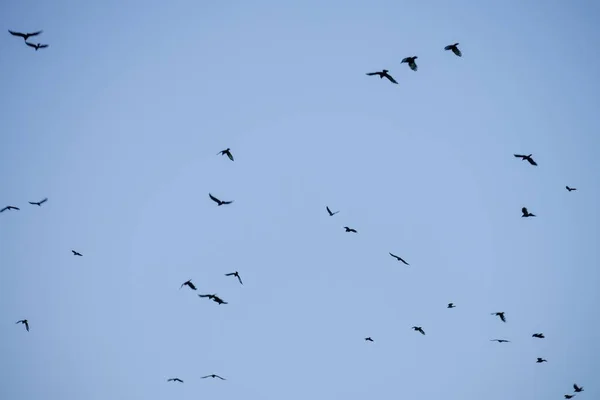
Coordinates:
526 213
454 48
174 380
501 315
399 258
368 339
451 305
189 284
10 208
24 322
528 158
578 389
538 335
25 36
383 74
570 189
38 203
213 376
331 214
214 298
500 340
411 62
350 229
541 360
219 202
76 253
418 329
37 46
226 151
236 274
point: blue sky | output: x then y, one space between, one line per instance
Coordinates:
119 121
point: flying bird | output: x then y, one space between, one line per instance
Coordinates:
214 298
76 253
538 335
501 315
526 213
578 389
541 360
570 189
350 229
213 376
226 151
38 203
10 208
188 284
174 380
383 74
411 62
399 258
24 322
569 396
36 46
25 36
368 339
451 305
219 202
418 329
500 340
331 214
454 48
236 274
528 158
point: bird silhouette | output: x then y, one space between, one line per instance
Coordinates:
24 322
76 253
578 389
38 203
454 48
418 329
528 158
174 380
411 62
500 340
219 202
570 189
526 213
227 152
10 208
541 360
214 298
569 396
451 305
383 74
538 335
350 229
213 376
236 274
25 36
368 339
189 284
331 214
37 46
501 315
399 259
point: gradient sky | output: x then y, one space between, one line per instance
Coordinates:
119 121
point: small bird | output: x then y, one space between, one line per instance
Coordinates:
454 48
541 360
538 335
368 339
578 389
76 253
236 274
10 208
500 340
418 329
569 396
25 36
501 315
213 376
219 202
528 158
526 213
570 189
189 284
174 380
214 298
383 74
350 229
24 322
226 151
451 305
399 258
38 203
411 62
331 214
37 46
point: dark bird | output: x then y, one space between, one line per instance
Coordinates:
226 151
213 376
219 202
331 214
383 74
501 315
38 203
368 339
569 396
578 389
188 284
526 213
411 62
24 322
538 335
9 208
174 380
454 48
25 36
418 329
350 229
37 46
500 340
528 158
214 298
541 360
399 258
236 274
451 305
76 253
570 189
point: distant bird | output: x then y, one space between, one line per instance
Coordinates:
174 380
24 322
368 339
383 74
578 389
214 298
331 214
569 396
350 229
213 376
236 274
76 253
454 48
36 46
418 329
501 315
570 189
451 305
528 158
538 335
38 203
399 258
9 208
226 151
411 62
526 213
188 284
500 340
25 36
219 202
541 360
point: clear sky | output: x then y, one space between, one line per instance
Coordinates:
118 122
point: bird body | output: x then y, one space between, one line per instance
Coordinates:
570 189
189 284
578 389
411 62
451 305
368 339
219 202
76 253
501 315
227 152
174 380
25 36
526 213
38 203
418 329
214 298
350 229
526 157
541 360
236 274
383 74
538 335
213 376
399 259
331 214
454 48
36 46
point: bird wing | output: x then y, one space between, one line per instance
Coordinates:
204 295
34 33
449 47
33 202
74 252
328 210
207 376
26 325
457 51
575 386
531 161
240 279
4 209
220 377
43 201
17 33
213 198
230 155
405 60
30 44
16 208
502 317
372 73
43 46
413 66
191 285
227 202
519 155
395 256
232 273
390 78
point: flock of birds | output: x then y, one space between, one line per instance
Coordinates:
227 152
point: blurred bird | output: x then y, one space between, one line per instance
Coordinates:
569 396
570 189
24 322
383 74
174 380
368 339
451 305
528 158
454 48
411 62
500 340
538 335
188 284
213 376
399 258
9 208
541 360
219 202
236 274
36 46
227 152
418 329
76 253
214 298
577 388
331 214
526 213
350 229
38 203
25 36
501 315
